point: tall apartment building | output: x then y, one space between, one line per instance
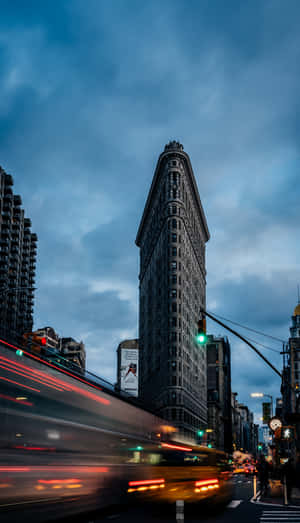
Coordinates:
17 264
219 392
172 236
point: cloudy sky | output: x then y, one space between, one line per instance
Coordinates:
90 93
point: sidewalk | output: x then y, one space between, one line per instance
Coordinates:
275 495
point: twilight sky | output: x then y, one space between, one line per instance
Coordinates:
90 93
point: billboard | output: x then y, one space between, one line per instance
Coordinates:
129 371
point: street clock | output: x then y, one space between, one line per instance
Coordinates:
275 423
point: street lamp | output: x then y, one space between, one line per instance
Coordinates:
261 395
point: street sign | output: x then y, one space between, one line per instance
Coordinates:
266 409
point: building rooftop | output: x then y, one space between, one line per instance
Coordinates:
297 310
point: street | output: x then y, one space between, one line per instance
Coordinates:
239 510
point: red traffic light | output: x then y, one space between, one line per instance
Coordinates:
43 341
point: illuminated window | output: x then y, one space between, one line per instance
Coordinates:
174 237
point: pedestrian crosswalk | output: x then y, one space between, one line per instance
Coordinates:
280 516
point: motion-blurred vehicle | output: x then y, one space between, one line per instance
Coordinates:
249 469
239 469
68 441
189 473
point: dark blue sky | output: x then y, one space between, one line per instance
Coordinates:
91 92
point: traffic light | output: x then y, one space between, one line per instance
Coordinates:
201 332
259 447
200 433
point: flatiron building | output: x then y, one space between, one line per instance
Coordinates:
172 237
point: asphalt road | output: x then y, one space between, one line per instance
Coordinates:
239 510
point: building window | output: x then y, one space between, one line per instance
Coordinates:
174 209
173 293
173 365
174 237
173 380
174 278
174 307
174 265
174 351
174 251
174 322
174 336
174 162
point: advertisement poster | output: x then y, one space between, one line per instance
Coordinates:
129 371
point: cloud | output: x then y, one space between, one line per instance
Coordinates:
88 100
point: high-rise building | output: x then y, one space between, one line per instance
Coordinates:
172 236
17 264
219 392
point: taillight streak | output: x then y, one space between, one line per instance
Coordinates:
43 378
24 375
145 482
51 365
205 482
36 374
51 481
20 384
51 468
176 447
9 398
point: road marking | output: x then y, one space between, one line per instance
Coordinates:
234 503
280 516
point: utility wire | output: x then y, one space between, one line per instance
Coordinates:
203 311
278 351
248 328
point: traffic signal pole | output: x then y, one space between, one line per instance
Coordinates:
203 311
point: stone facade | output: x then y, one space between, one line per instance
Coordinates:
172 236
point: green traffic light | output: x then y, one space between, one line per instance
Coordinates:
19 352
201 338
209 445
200 432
